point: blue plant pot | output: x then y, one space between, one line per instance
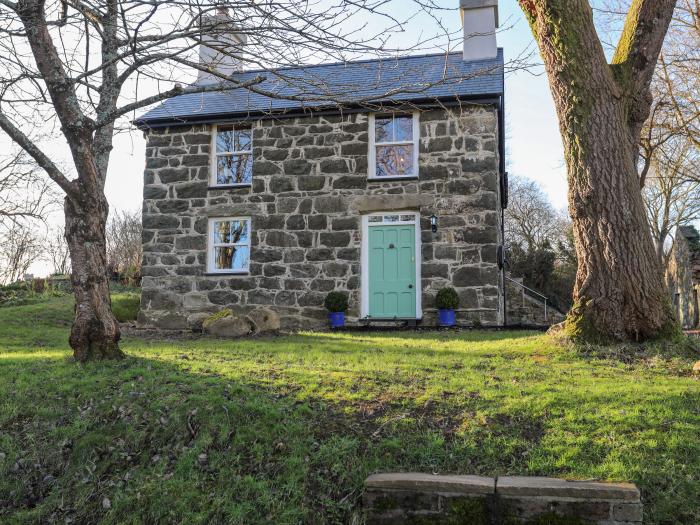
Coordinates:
337 319
446 317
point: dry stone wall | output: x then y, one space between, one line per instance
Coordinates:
309 191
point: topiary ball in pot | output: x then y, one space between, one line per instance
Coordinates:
337 304
447 301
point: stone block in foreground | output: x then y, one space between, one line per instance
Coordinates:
524 499
415 498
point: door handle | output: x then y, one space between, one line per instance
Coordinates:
410 286
391 246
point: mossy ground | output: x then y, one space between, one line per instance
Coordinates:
284 430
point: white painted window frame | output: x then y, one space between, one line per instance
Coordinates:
211 245
213 155
372 154
364 258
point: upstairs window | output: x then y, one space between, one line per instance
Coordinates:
232 156
229 245
393 142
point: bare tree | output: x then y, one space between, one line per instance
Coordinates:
56 251
530 219
124 249
84 66
19 248
619 292
672 193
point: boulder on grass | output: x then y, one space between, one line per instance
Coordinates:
225 324
696 368
264 320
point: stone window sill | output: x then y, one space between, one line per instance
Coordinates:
390 179
229 186
216 274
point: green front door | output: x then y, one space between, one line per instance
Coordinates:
392 271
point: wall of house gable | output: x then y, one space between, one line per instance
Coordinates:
309 191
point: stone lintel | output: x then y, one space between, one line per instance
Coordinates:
234 210
372 203
419 482
560 488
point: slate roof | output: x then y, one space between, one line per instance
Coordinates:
406 79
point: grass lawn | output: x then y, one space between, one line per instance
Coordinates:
284 430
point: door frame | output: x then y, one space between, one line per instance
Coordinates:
364 261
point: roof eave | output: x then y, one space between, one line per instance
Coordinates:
144 124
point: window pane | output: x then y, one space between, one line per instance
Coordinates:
403 129
383 129
394 161
224 139
241 255
393 129
375 218
223 257
407 218
391 218
231 257
234 169
222 232
240 232
242 140
228 139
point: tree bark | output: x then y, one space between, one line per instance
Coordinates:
95 332
619 292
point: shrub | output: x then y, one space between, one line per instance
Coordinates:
447 299
336 302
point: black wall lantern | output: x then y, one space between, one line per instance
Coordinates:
433 222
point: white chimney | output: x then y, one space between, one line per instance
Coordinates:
219 47
480 20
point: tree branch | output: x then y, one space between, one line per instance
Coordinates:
176 91
41 159
640 43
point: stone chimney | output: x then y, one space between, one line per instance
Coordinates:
222 37
480 20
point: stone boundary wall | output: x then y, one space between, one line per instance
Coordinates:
415 499
524 310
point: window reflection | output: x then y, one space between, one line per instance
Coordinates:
234 162
395 146
234 169
394 160
231 245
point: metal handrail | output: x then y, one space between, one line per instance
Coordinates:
531 291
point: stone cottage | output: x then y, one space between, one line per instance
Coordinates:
683 276
254 201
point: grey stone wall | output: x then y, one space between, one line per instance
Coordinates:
309 191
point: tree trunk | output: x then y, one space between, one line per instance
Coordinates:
619 292
95 332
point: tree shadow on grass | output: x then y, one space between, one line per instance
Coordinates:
174 436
